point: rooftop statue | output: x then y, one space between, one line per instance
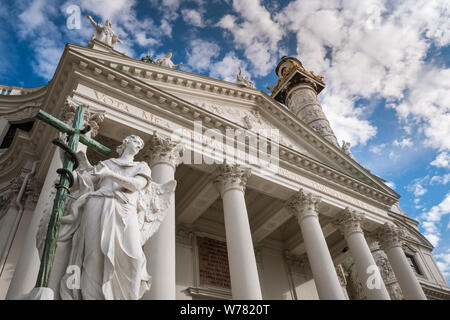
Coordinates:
245 81
115 209
167 62
104 33
346 149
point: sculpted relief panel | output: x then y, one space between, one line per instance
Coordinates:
251 120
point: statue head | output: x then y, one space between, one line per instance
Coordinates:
169 55
130 139
108 23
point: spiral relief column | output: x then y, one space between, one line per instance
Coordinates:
298 88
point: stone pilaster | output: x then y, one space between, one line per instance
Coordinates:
386 271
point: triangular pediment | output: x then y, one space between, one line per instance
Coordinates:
248 108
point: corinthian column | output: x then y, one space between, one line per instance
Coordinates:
231 180
163 156
349 223
389 237
304 206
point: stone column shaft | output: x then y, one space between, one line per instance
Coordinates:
231 181
303 205
389 237
349 223
163 157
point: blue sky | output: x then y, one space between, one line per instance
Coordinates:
385 63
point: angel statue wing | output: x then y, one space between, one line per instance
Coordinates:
152 204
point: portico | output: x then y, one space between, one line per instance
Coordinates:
285 230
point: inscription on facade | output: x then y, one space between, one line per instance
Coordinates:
213 263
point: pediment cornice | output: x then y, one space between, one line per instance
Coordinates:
119 79
227 90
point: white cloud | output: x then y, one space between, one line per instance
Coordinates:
143 40
442 160
33 16
432 217
417 187
404 143
377 148
192 17
200 53
227 68
443 262
391 184
375 49
257 34
440 179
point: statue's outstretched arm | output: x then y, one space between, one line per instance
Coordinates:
92 21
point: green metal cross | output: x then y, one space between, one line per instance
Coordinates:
75 135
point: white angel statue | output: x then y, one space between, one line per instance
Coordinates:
104 33
115 209
245 81
167 61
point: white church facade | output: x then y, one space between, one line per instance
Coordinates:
309 222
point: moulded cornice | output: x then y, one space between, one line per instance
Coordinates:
143 90
225 89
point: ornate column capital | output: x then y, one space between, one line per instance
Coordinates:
303 204
92 116
163 150
348 221
228 177
390 236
